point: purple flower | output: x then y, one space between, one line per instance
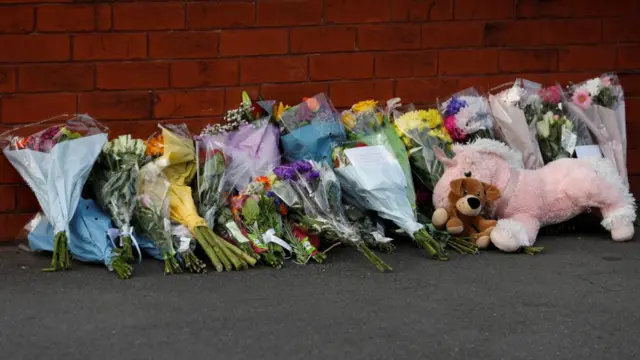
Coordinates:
312 175
302 166
454 106
271 194
285 172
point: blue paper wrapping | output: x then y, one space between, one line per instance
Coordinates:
313 142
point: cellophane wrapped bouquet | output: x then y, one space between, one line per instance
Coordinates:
421 131
177 165
599 104
508 103
372 178
249 140
113 186
56 163
258 215
313 194
555 132
467 116
310 130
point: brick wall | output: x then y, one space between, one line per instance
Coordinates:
134 63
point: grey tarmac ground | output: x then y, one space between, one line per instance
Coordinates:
577 300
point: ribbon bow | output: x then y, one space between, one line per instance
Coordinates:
115 233
269 236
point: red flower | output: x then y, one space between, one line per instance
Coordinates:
360 144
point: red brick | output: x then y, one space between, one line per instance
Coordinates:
552 32
485 84
176 104
8 195
616 30
17 19
425 91
183 45
116 105
289 12
8 174
629 57
26 200
484 9
36 107
356 11
292 94
34 48
421 10
109 46
581 58
459 62
452 34
323 39
631 84
273 69
341 67
132 75
233 95
406 64
560 9
208 15
205 73
139 129
542 60
7 79
148 16
254 42
12 225
66 18
389 37
56 77
103 17
346 93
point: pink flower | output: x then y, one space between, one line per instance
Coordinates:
606 81
556 117
551 94
454 131
582 98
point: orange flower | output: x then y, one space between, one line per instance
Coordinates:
264 181
312 104
155 146
283 209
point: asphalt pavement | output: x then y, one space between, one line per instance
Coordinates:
577 300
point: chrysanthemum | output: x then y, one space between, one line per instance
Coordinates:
363 106
582 98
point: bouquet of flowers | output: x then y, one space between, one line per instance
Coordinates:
467 116
369 229
313 193
87 237
599 104
258 215
421 131
113 185
510 123
310 130
373 179
366 123
305 245
178 166
55 163
554 131
248 140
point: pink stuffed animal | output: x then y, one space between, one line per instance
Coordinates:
534 198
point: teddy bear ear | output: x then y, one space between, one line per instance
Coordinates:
456 187
492 192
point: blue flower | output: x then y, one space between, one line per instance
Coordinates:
302 166
285 172
312 175
454 106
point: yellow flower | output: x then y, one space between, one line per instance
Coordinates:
349 120
432 117
411 121
281 109
441 135
366 105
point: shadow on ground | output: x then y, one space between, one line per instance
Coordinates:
578 299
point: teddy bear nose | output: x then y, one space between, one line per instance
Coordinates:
473 202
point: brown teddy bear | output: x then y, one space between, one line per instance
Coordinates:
467 198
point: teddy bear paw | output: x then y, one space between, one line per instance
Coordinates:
509 235
439 218
483 242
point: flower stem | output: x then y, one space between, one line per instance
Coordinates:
171 265
532 250
127 250
381 265
427 242
121 268
192 263
61 259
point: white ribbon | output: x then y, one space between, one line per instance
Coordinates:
183 234
115 233
270 237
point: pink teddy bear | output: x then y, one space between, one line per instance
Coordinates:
534 198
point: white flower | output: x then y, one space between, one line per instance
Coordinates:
543 126
593 86
512 96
